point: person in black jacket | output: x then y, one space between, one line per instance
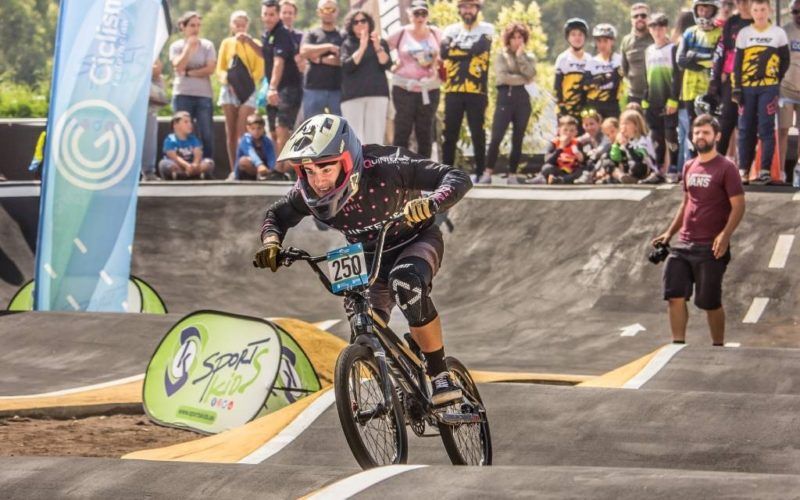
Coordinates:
355 189
365 90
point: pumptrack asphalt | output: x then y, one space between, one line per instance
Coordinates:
534 280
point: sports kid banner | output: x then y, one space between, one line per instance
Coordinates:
101 82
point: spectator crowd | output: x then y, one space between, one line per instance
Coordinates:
624 113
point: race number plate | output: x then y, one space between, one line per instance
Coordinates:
347 268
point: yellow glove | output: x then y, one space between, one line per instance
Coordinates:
268 256
419 210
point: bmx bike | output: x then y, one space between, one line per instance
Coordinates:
380 382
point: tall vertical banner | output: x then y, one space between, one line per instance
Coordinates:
101 82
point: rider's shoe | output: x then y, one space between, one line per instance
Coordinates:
444 390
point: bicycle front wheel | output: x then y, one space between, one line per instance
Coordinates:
466 444
376 434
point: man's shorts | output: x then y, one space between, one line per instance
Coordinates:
789 115
285 113
690 266
227 96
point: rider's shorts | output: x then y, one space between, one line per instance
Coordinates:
428 246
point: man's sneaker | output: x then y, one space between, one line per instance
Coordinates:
512 179
745 175
763 179
653 178
231 177
673 178
444 390
485 179
150 177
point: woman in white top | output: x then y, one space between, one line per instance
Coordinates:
415 79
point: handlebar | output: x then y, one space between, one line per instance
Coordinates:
290 255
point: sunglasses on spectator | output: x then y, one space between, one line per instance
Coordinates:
363 20
639 16
328 10
420 13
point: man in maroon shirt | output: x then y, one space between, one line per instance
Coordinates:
712 207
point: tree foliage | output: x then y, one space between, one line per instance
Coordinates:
27 30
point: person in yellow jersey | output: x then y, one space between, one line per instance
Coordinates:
571 66
762 59
465 49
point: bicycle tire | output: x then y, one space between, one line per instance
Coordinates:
358 359
454 436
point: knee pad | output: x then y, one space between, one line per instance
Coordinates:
410 286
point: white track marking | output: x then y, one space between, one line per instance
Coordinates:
80 245
354 485
756 310
781 253
84 388
632 330
733 344
73 302
655 365
190 189
796 197
293 430
558 194
327 324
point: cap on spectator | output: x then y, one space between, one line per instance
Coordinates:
236 14
659 19
419 5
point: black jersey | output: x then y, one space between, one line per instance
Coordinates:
392 176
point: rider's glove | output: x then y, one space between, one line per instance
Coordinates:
268 256
420 209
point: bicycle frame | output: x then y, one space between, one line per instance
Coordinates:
368 329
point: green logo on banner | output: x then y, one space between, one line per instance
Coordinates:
215 371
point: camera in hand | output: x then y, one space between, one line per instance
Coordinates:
658 254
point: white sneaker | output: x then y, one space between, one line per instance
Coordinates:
231 177
485 179
512 179
444 390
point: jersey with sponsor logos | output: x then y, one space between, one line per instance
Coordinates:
725 53
570 87
661 83
695 56
762 57
603 78
391 177
709 186
465 52
790 85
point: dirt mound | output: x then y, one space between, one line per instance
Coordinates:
104 436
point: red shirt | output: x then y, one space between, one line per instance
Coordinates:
709 187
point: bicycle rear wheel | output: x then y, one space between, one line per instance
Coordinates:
376 434
466 444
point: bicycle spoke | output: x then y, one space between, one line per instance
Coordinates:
378 431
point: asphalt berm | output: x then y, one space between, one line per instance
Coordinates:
546 281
